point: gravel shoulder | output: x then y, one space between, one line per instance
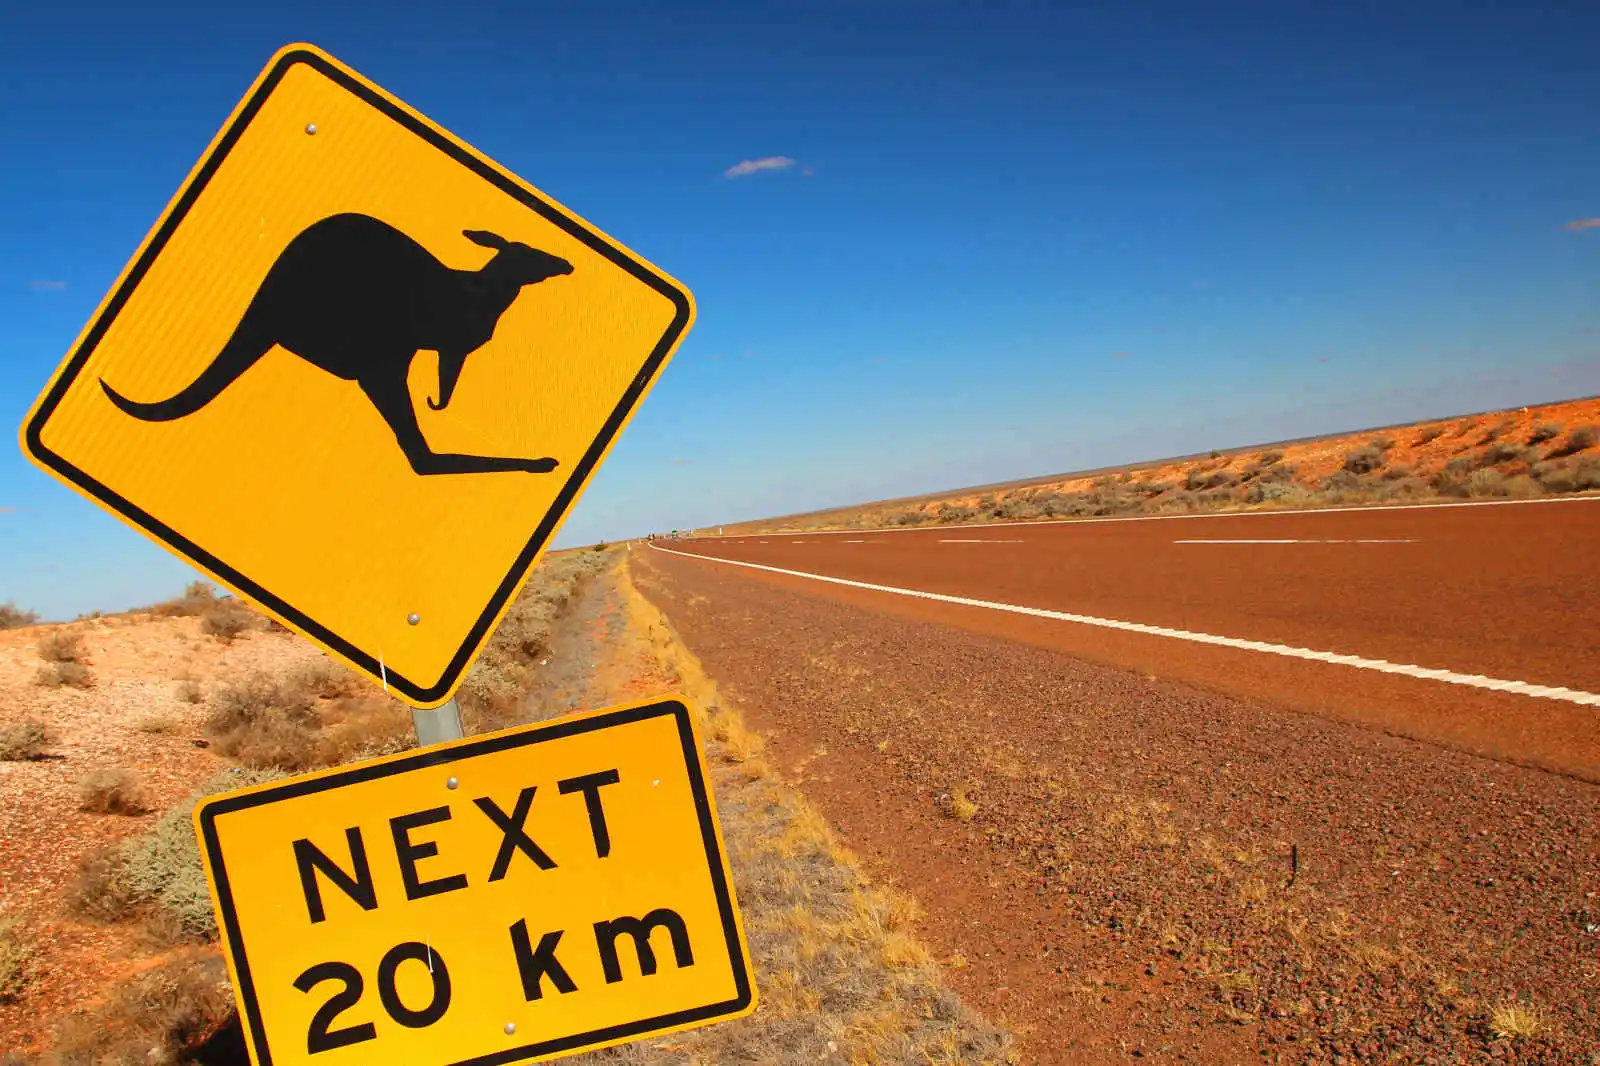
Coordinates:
1131 867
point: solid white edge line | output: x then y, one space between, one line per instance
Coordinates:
1170 517
1549 692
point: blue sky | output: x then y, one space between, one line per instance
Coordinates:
1014 239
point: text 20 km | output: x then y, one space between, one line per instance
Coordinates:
534 966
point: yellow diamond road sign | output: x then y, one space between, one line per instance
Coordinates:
358 373
520 895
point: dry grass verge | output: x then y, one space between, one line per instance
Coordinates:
157 878
164 1015
841 974
489 695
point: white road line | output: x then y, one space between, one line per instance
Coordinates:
1362 540
1366 509
852 542
1383 666
986 540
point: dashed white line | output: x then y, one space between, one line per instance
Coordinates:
1522 688
1330 540
985 540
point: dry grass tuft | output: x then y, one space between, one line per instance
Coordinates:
1515 1020
113 791
197 597
319 715
17 961
62 646
64 675
958 804
160 725
14 617
158 877
165 1015
227 620
22 741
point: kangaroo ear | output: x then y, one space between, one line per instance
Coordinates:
485 238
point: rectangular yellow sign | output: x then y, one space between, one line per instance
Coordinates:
358 373
511 897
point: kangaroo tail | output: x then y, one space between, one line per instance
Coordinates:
236 357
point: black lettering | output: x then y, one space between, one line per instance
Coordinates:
590 785
389 992
318 1036
536 965
408 854
359 887
513 836
606 933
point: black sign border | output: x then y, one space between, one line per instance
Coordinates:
211 810
438 691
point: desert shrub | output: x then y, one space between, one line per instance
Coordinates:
1269 458
1404 488
1383 444
22 741
1519 487
14 617
952 513
1463 428
1578 440
1221 478
1449 482
1215 454
227 619
1284 492
1498 453
163 1015
161 724
1395 473
64 675
17 961
113 791
62 646
1364 460
1496 431
599 546
265 721
1341 481
1578 476
197 596
911 516
1194 478
158 875
1428 436
1486 482
189 690
1544 431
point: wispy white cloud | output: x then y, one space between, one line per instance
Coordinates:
752 166
47 286
1580 224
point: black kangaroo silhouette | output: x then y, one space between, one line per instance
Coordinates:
358 298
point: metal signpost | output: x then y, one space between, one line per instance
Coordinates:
358 373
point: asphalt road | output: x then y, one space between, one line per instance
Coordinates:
1476 626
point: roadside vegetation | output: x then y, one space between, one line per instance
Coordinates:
1444 461
14 617
272 725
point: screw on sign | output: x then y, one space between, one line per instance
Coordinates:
526 894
